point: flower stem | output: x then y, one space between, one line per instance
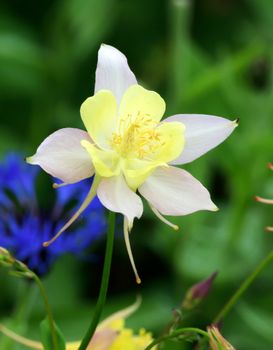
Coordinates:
104 283
243 287
179 24
48 310
176 334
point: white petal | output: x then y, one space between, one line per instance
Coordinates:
62 155
113 72
115 195
202 133
173 191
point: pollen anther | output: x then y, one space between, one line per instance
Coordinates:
136 136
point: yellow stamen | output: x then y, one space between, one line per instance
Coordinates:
91 194
129 250
167 222
136 136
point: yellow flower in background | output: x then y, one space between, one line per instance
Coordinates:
111 334
131 151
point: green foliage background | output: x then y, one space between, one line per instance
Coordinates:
210 57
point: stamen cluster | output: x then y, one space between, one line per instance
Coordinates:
136 136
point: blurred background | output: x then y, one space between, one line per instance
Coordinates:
209 57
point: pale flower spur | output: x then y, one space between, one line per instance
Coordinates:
266 201
130 151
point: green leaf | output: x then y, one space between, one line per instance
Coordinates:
46 336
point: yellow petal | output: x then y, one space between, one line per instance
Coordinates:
172 139
106 162
136 171
129 341
99 115
139 101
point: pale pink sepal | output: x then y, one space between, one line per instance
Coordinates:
113 72
202 133
173 191
102 339
62 155
121 314
115 195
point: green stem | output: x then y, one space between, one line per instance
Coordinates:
243 287
48 310
176 334
104 282
179 20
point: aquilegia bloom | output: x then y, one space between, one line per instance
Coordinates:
24 226
111 334
130 150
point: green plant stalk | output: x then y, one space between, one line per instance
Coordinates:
104 283
243 287
176 334
48 310
179 24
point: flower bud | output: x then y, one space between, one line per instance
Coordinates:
217 341
18 268
5 257
198 292
3 251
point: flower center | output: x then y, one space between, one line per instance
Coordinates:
136 136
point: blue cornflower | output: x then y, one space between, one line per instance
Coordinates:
24 225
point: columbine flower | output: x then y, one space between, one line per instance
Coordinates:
217 341
130 150
24 226
110 334
266 201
